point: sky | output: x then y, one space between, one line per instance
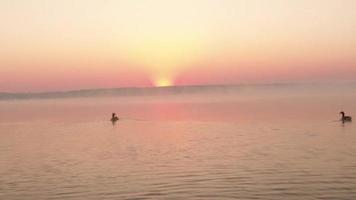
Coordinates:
48 45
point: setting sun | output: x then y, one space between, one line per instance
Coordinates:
162 82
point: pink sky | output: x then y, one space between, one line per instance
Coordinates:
68 45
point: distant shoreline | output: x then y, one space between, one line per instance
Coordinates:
167 90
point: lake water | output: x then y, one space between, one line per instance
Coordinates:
249 145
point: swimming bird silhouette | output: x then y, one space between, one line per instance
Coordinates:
114 118
345 118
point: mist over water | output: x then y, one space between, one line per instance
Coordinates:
245 143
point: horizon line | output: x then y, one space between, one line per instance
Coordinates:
177 86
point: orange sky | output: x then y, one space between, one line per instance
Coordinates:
64 45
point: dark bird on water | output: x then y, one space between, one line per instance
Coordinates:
114 118
345 118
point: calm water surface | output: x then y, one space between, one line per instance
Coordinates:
182 147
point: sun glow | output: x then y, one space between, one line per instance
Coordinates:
163 55
163 82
